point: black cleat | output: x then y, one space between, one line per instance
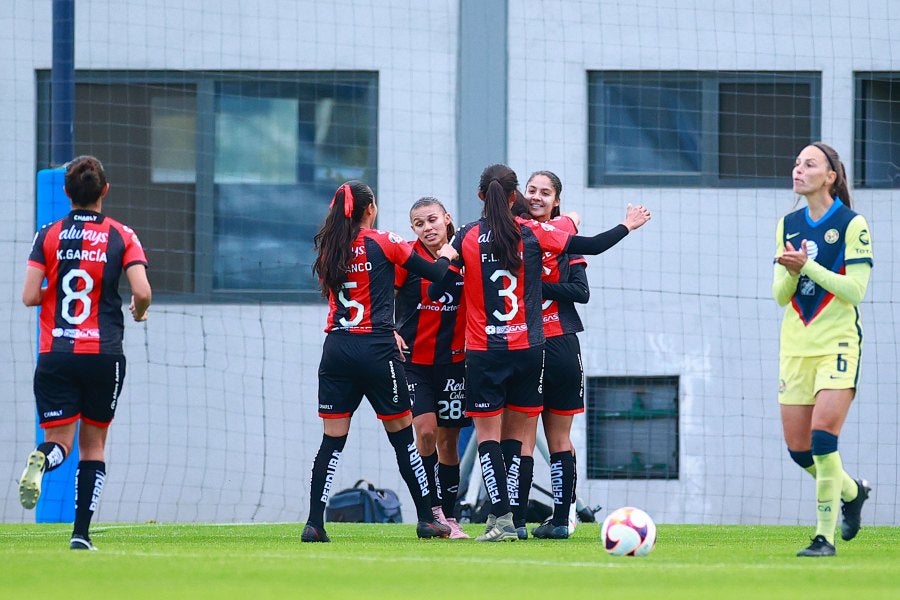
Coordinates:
432 529
852 511
521 529
311 533
819 547
548 531
80 543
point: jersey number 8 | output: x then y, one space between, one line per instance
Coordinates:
73 295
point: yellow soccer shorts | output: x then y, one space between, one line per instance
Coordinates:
800 378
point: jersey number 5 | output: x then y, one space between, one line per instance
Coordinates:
351 305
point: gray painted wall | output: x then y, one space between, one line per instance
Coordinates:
218 418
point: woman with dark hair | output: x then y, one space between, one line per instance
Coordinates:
357 267
431 335
502 257
564 282
81 365
823 259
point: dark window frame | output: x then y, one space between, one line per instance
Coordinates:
637 414
863 126
709 83
206 84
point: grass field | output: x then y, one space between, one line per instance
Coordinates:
387 561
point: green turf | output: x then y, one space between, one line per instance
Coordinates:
387 561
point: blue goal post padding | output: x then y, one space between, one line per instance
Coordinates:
57 501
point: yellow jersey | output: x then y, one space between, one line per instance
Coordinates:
822 302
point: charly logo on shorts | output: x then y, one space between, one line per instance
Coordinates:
831 236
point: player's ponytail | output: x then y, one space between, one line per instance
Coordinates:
496 184
337 234
85 180
840 188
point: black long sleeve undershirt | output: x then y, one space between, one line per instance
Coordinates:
599 243
575 289
578 244
432 271
441 285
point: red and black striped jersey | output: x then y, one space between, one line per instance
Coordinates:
503 309
83 256
560 316
366 302
433 331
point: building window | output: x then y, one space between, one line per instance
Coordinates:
226 176
699 129
877 130
632 427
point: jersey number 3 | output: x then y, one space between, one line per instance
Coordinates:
508 292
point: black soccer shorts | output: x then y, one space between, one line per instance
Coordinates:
68 387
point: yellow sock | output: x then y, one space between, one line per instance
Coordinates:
849 489
829 479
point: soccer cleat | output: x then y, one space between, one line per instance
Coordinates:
30 483
432 529
456 532
852 511
521 529
311 533
819 547
548 531
81 543
438 513
502 529
489 523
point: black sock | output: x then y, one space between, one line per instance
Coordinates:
413 471
323 469
448 477
562 481
89 478
512 451
526 474
574 477
55 454
494 474
430 463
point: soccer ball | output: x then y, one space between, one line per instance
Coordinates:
628 531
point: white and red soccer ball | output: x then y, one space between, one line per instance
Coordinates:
628 531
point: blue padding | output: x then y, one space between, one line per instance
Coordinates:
803 458
57 501
823 442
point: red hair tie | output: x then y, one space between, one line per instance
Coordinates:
348 200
